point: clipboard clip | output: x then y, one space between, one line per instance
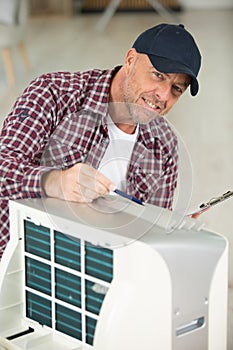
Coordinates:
216 200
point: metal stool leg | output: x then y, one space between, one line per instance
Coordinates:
110 10
162 10
108 14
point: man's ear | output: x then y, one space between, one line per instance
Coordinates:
130 58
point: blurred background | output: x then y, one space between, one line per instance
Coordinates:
59 35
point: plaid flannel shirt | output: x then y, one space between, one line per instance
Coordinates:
59 120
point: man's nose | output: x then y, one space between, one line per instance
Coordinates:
163 91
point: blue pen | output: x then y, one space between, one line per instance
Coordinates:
125 195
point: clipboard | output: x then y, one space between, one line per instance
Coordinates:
212 202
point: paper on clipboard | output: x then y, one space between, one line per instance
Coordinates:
212 202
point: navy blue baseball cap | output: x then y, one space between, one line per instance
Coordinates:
171 49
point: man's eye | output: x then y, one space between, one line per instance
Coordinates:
158 75
177 89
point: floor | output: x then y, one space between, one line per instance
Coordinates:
205 122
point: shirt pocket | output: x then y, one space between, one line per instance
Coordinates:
142 184
144 175
62 156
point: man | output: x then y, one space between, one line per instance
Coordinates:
61 131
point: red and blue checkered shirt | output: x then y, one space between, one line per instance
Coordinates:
60 120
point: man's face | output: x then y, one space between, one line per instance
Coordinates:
147 89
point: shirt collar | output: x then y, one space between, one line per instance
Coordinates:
98 97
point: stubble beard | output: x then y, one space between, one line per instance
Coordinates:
137 113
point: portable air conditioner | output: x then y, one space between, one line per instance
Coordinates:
112 275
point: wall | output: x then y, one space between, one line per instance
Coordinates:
218 4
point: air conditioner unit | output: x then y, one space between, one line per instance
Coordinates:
111 275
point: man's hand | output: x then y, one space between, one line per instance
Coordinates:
80 183
198 213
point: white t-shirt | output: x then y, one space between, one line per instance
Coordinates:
115 162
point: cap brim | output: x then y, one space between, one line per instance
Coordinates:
164 65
